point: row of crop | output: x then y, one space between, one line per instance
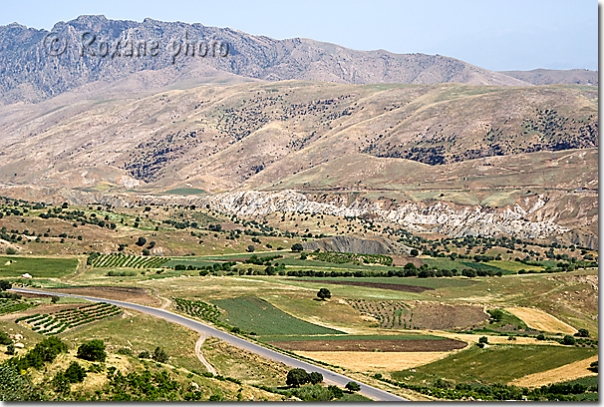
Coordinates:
69 318
200 309
121 260
13 306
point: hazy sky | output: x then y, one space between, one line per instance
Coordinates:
497 35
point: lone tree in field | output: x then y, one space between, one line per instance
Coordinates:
93 351
141 241
353 386
414 252
297 377
583 333
324 293
568 340
297 247
251 249
54 299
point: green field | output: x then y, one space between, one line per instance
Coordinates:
15 266
360 338
495 364
514 265
435 282
253 314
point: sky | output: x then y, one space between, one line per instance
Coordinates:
497 35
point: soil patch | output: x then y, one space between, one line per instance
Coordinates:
412 345
385 286
129 294
376 361
421 315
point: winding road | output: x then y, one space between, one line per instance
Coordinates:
203 329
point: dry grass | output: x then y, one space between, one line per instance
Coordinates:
541 320
560 374
376 361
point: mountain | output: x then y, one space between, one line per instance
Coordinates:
552 77
28 74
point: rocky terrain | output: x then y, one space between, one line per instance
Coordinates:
29 74
551 76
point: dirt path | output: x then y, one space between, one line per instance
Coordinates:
560 374
541 321
200 356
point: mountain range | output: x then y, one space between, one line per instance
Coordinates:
351 129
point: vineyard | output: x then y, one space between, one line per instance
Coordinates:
200 309
125 260
55 323
355 258
390 314
422 315
8 306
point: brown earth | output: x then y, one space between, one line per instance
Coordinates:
385 286
129 294
376 361
564 373
414 345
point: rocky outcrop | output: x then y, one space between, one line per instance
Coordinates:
351 244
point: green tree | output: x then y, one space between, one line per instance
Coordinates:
483 339
540 337
5 339
5 285
315 377
414 252
251 248
93 351
324 293
54 299
297 247
141 241
10 349
297 377
61 384
583 333
336 391
353 386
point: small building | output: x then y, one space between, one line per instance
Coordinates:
26 275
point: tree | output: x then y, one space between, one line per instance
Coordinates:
5 285
75 373
583 333
144 355
10 349
141 241
160 355
146 252
324 293
297 377
251 248
568 340
593 366
483 339
414 252
540 337
353 386
93 351
297 247
315 377
5 339
54 299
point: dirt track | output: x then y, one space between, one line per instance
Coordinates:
130 294
415 345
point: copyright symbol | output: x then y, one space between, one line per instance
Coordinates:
54 44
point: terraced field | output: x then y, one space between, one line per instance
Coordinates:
200 309
127 261
58 322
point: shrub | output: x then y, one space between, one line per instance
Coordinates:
315 378
75 373
144 355
324 293
93 351
540 337
583 333
160 355
568 340
483 339
5 339
297 247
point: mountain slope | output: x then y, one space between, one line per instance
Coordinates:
552 77
30 75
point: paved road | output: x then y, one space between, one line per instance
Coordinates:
328 375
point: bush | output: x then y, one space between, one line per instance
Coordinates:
5 339
5 285
414 252
93 351
315 378
160 355
483 339
250 249
141 241
583 333
75 373
568 340
144 355
297 247
540 337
